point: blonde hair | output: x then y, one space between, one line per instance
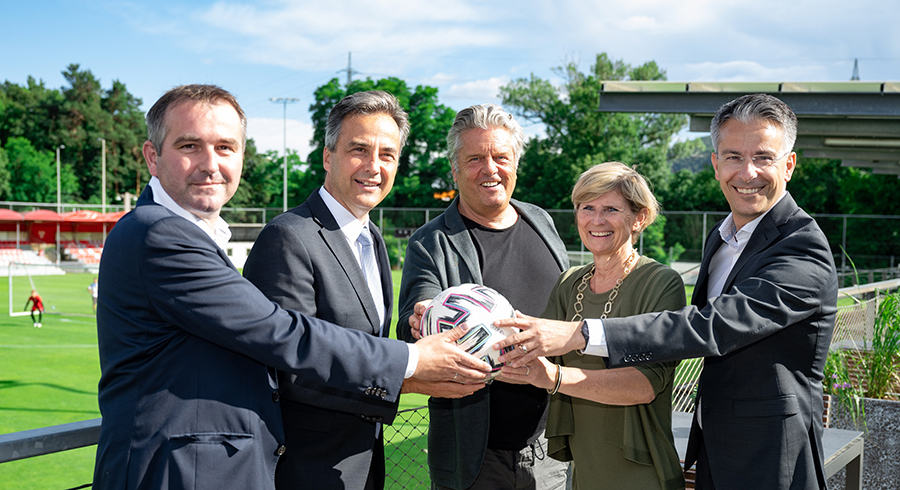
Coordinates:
616 176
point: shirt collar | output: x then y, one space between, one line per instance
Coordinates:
729 232
349 224
220 234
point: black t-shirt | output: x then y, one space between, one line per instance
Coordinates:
516 262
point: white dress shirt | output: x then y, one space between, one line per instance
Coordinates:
351 227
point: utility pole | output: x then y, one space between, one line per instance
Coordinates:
350 71
285 101
855 76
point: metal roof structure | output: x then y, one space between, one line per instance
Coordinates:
855 122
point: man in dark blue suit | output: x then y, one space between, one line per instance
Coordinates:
762 315
188 348
311 259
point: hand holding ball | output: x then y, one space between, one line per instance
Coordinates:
478 307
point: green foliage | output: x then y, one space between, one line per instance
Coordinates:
4 175
32 173
423 167
838 384
654 243
76 116
882 363
262 180
578 136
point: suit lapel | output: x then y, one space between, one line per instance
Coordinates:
713 242
336 241
459 238
387 282
764 234
146 199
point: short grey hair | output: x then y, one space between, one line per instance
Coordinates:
756 107
157 129
483 116
365 103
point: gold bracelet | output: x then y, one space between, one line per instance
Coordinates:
558 381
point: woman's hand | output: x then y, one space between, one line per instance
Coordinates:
539 372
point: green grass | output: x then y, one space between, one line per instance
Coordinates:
48 376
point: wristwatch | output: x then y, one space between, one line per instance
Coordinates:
587 337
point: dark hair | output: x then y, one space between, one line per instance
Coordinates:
209 94
369 102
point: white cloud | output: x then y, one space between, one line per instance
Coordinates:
301 34
268 134
486 90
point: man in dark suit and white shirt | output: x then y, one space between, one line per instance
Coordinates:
187 394
762 315
312 259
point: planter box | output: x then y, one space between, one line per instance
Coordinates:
881 456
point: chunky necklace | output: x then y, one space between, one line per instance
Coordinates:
586 280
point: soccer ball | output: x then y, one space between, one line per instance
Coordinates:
478 306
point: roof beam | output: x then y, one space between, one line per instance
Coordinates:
803 104
853 154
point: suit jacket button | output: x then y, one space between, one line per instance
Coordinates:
275 396
369 390
281 449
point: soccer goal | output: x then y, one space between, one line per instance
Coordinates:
43 278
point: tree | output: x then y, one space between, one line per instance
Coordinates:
77 116
4 175
578 136
423 168
261 180
33 173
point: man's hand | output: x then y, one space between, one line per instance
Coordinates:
440 389
538 338
415 321
440 359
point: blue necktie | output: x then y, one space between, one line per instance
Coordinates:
369 266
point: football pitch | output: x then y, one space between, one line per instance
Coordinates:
48 376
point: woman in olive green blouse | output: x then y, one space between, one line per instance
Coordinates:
615 424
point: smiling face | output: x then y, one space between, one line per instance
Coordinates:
362 168
201 158
486 174
607 223
752 189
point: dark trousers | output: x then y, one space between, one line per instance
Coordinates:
703 477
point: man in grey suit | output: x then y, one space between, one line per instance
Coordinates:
762 315
494 439
186 392
310 259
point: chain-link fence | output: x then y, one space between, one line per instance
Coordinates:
406 450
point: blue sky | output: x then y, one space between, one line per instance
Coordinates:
286 48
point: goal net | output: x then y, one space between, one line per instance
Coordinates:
46 279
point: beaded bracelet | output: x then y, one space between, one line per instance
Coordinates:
558 381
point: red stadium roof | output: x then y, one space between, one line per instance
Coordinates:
42 215
113 217
84 216
10 215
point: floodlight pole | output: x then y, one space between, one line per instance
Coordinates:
103 177
58 188
284 101
58 201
